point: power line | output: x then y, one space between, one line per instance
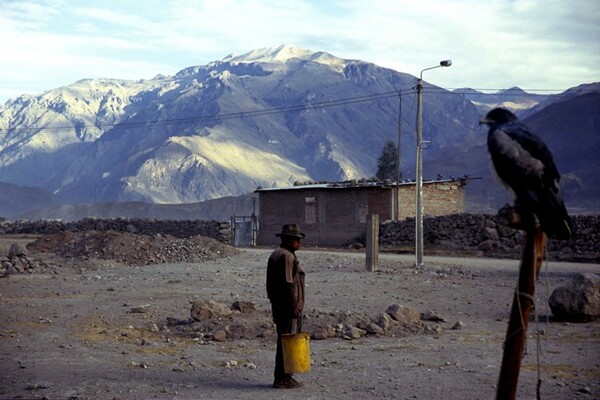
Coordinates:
239 114
292 108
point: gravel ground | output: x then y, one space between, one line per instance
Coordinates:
88 330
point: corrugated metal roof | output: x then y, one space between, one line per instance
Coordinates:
359 184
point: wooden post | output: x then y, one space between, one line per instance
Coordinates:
372 245
516 335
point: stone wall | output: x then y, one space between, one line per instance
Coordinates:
451 234
181 229
483 234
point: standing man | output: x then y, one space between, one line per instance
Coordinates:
285 288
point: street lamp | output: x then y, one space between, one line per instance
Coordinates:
419 171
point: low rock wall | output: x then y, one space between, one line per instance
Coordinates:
181 229
459 233
483 233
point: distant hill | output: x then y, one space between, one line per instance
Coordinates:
219 210
571 129
566 95
514 99
15 200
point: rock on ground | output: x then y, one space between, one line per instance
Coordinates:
579 301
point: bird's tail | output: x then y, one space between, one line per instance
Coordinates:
557 224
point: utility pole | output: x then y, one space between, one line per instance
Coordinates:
419 168
419 178
398 174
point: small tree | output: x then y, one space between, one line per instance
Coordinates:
386 163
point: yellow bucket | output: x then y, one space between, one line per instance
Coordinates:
296 352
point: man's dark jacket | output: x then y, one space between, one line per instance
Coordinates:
285 285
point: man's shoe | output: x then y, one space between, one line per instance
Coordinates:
289 383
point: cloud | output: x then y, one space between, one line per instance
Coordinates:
533 44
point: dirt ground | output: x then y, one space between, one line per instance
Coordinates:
105 329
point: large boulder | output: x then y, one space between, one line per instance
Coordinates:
210 309
403 314
17 250
321 332
578 301
243 306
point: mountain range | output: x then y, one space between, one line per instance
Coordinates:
272 117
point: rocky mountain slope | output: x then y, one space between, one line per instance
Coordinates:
269 118
266 118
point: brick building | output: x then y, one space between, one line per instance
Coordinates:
332 214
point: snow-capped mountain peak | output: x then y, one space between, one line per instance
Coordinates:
284 53
267 54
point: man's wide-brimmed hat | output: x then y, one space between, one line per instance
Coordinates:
291 230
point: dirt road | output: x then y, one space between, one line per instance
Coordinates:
95 330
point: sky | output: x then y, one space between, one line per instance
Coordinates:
544 46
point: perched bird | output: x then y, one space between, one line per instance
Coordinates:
526 166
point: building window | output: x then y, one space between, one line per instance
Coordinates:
310 210
363 210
